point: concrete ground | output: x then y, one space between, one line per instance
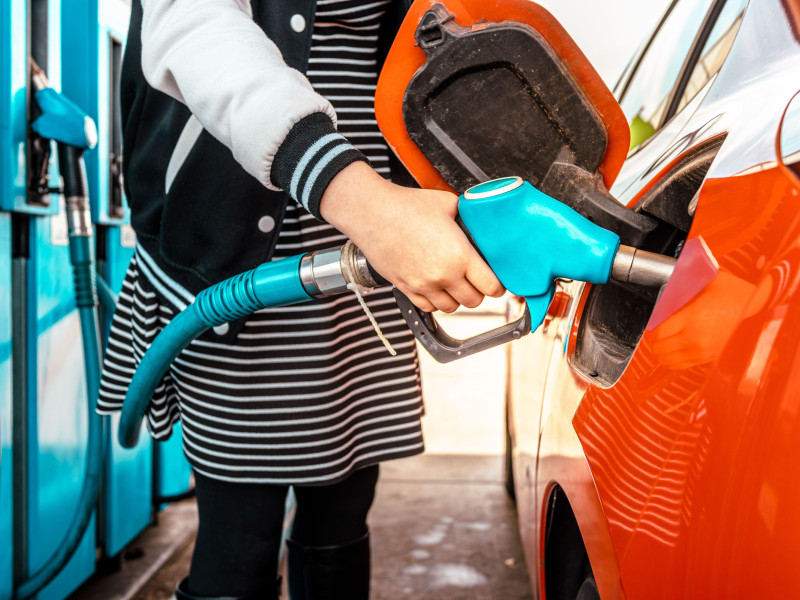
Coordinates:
442 525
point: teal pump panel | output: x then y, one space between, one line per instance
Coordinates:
6 450
13 51
15 166
93 35
13 103
55 406
128 483
173 472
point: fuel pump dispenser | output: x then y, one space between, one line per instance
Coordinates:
528 239
53 500
64 122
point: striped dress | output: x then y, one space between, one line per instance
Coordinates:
308 393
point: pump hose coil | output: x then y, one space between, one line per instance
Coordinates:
229 300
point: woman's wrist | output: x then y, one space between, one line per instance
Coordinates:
355 199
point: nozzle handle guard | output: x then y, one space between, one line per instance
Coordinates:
445 348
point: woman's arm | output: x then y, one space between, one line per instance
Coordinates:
211 55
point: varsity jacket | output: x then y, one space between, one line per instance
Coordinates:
220 128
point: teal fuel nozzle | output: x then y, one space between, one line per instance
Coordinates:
529 239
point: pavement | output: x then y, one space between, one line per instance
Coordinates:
442 525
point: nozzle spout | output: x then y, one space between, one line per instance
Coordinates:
641 267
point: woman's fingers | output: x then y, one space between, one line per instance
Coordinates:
465 294
421 302
483 278
433 301
448 295
443 301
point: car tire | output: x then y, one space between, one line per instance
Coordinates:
588 590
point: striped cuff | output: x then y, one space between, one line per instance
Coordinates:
309 157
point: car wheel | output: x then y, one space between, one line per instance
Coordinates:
588 590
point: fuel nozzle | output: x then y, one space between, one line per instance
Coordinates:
530 239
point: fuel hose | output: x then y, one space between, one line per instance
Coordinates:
81 249
274 283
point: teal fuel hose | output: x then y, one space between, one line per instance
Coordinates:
108 299
185 327
81 249
275 283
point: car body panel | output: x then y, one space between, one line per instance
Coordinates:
692 459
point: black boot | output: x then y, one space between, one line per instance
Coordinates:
182 594
329 572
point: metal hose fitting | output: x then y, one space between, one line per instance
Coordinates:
354 261
325 272
644 268
321 273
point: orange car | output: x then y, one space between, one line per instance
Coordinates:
653 434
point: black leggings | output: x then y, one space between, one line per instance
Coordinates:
238 538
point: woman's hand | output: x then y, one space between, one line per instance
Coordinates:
411 238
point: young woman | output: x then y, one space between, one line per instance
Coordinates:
232 157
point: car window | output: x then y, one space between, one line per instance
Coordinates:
645 98
715 50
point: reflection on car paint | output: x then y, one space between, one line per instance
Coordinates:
667 434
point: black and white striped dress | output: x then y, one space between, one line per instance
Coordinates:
308 393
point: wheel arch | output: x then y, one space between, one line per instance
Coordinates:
575 543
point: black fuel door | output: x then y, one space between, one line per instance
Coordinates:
495 100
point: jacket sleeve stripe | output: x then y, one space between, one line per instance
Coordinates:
303 163
310 156
322 164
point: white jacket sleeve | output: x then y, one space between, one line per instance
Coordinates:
212 56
